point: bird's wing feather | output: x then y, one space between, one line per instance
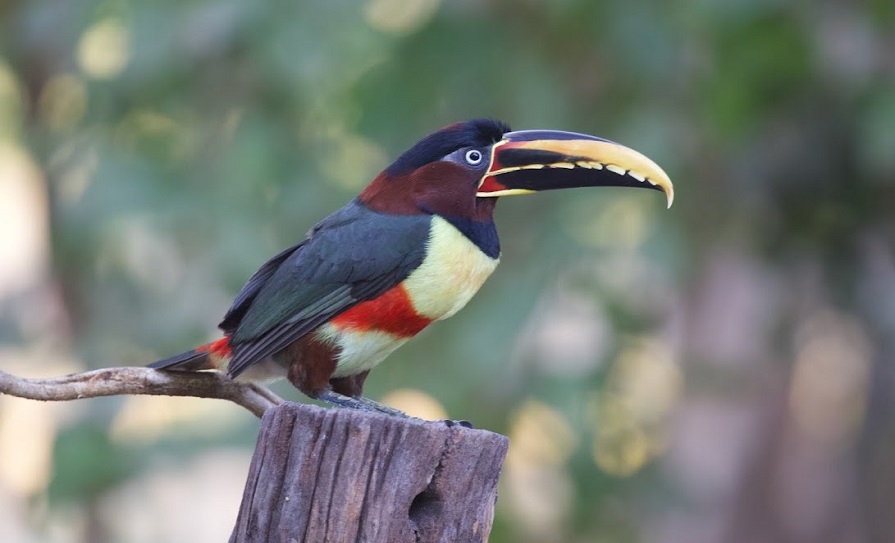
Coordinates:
353 255
250 290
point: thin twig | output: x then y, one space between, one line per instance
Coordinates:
147 381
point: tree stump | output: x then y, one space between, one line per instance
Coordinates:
333 475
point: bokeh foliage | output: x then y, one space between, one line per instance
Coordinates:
718 372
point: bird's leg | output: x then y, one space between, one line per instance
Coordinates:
360 403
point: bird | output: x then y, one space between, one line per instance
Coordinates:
411 249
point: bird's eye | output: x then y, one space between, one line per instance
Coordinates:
474 157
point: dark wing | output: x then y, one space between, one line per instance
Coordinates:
353 255
251 289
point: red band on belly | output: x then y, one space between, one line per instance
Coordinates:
391 312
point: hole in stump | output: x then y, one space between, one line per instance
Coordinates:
426 505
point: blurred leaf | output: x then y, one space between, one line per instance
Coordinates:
86 463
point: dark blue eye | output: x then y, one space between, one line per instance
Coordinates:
474 157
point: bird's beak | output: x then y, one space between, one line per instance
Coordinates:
534 160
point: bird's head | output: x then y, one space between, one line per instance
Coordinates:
461 169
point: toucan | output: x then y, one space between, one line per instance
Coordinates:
413 248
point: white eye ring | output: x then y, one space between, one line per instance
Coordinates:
474 157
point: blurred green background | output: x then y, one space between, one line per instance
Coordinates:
720 372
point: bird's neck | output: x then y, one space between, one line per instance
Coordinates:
483 233
470 215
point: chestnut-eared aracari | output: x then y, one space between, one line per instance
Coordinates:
411 249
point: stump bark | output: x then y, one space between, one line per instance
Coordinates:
333 475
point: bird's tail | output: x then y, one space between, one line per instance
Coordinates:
203 357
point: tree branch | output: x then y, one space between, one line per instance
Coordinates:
146 381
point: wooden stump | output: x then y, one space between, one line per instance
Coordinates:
333 475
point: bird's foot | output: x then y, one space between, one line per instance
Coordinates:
365 404
360 403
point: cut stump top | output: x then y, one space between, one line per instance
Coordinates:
337 475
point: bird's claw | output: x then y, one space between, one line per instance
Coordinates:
462 423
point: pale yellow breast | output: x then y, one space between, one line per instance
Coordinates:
453 271
359 351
